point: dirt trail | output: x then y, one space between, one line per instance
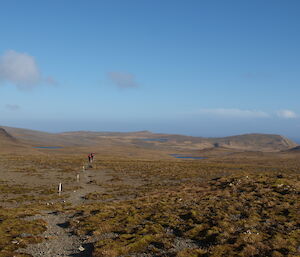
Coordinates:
59 240
86 185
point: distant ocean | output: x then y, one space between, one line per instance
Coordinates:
48 147
296 140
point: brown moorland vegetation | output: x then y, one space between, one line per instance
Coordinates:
242 204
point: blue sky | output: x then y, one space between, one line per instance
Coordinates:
204 68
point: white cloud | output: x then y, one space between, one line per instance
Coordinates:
122 79
287 114
21 69
12 107
234 113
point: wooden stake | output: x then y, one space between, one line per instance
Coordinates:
59 188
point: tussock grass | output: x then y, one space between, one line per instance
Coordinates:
246 213
16 232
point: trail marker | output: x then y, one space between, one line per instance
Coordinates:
59 188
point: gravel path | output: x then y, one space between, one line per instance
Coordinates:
59 240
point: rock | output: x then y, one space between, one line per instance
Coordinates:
25 235
81 249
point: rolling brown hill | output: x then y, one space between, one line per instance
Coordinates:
247 142
258 142
9 143
6 136
294 149
144 140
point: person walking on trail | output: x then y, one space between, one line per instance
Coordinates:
92 156
89 157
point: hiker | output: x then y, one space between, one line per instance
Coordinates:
89 157
92 156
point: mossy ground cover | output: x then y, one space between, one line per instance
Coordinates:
17 232
248 212
20 201
213 207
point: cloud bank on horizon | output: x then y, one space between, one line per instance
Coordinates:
287 114
21 70
239 113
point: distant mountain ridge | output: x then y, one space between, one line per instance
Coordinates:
147 140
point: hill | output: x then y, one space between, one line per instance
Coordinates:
9 143
247 142
6 136
295 149
258 142
146 141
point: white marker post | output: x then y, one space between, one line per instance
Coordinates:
83 168
77 177
59 188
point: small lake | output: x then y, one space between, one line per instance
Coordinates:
48 147
178 156
155 139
